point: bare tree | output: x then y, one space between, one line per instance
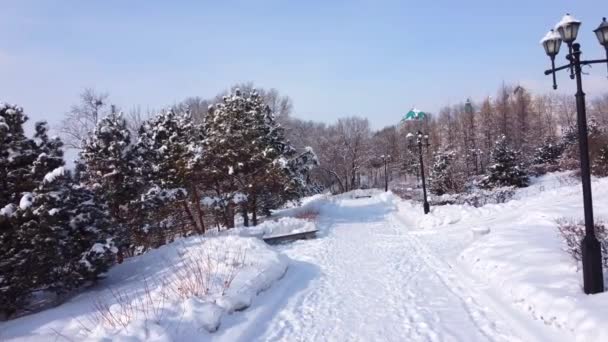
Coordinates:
197 106
135 117
80 121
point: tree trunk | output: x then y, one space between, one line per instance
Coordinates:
245 217
254 212
197 202
229 215
189 213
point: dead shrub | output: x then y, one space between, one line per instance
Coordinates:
124 307
205 273
573 232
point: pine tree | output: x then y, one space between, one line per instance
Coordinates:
109 167
443 177
54 235
250 157
169 155
231 148
61 238
17 153
548 153
49 151
505 169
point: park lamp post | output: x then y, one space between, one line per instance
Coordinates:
566 31
422 140
385 159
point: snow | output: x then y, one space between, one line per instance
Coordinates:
566 19
379 270
26 201
371 277
8 210
51 176
155 295
551 35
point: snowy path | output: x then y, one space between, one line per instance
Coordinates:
370 279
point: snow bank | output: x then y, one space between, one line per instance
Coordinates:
524 256
181 291
516 247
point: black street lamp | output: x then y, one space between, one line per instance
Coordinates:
566 30
420 143
385 159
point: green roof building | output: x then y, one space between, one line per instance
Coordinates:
414 114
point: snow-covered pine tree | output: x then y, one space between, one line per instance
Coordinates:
23 164
169 156
505 169
49 151
230 143
443 177
61 238
299 170
109 166
548 153
53 235
17 153
250 155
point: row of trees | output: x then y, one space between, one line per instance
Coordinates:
463 134
129 191
515 131
55 234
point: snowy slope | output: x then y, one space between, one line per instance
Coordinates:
522 254
162 295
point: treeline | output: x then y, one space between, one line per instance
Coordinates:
132 190
514 132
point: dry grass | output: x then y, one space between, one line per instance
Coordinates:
123 307
199 273
205 273
308 214
572 233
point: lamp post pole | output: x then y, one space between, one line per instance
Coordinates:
593 277
425 205
420 144
385 159
591 250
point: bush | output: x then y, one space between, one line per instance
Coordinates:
600 165
573 232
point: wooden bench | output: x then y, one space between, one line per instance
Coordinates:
274 240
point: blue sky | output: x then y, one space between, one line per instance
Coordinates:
374 59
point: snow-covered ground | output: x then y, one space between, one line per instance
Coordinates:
179 292
379 270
